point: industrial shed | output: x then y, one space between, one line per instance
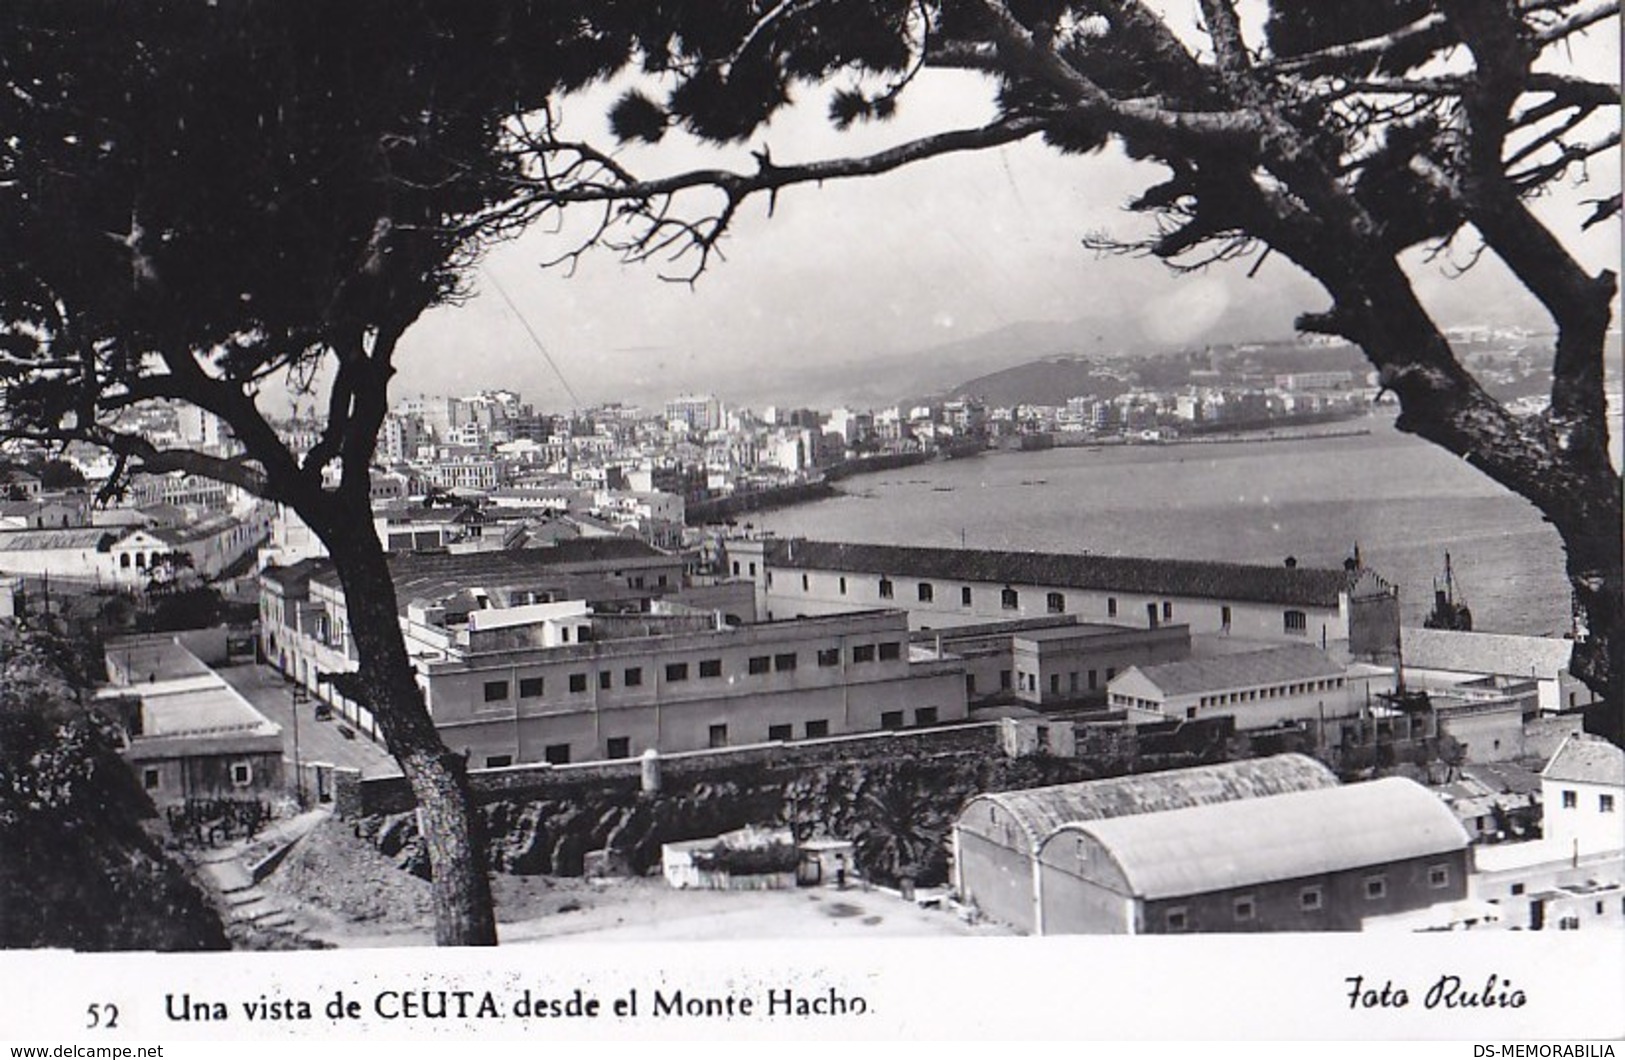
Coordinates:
1320 860
997 836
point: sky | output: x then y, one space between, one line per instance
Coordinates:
934 253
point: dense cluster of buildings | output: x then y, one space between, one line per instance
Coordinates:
557 613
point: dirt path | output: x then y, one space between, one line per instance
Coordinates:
340 890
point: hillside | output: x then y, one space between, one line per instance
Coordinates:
78 869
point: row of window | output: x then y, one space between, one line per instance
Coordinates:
1273 692
1027 682
1571 801
716 736
1311 899
632 676
242 775
1293 621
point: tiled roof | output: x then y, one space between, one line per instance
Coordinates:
295 575
1502 777
1203 849
1270 666
1040 811
180 535
1587 759
1484 653
433 575
1303 586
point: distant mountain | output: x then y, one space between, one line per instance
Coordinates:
935 371
1046 382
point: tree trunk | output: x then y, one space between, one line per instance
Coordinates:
450 824
1560 466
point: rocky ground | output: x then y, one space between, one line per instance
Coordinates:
340 891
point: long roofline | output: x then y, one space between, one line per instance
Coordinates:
1304 586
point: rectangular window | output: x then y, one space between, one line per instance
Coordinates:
717 736
1570 800
632 677
890 651
1167 609
1243 908
242 774
863 653
606 680
1295 622
1515 889
1605 804
970 684
784 661
1004 680
781 732
925 716
1309 899
753 570
1177 919
927 593
885 589
1055 603
1376 887
891 719
1009 599
759 664
496 691
618 747
1094 680
557 754
1438 876
1111 607
843 586
677 671
964 595
578 682
710 667
150 779
805 583
1054 684
530 687
498 761
816 729
1224 616
829 656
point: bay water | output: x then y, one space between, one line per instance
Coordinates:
1404 502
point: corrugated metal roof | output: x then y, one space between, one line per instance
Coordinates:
1304 586
1484 653
1586 759
1248 669
1040 811
85 538
1202 849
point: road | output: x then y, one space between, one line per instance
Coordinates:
319 741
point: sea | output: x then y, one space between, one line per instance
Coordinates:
1404 503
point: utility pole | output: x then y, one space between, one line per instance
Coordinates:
300 698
